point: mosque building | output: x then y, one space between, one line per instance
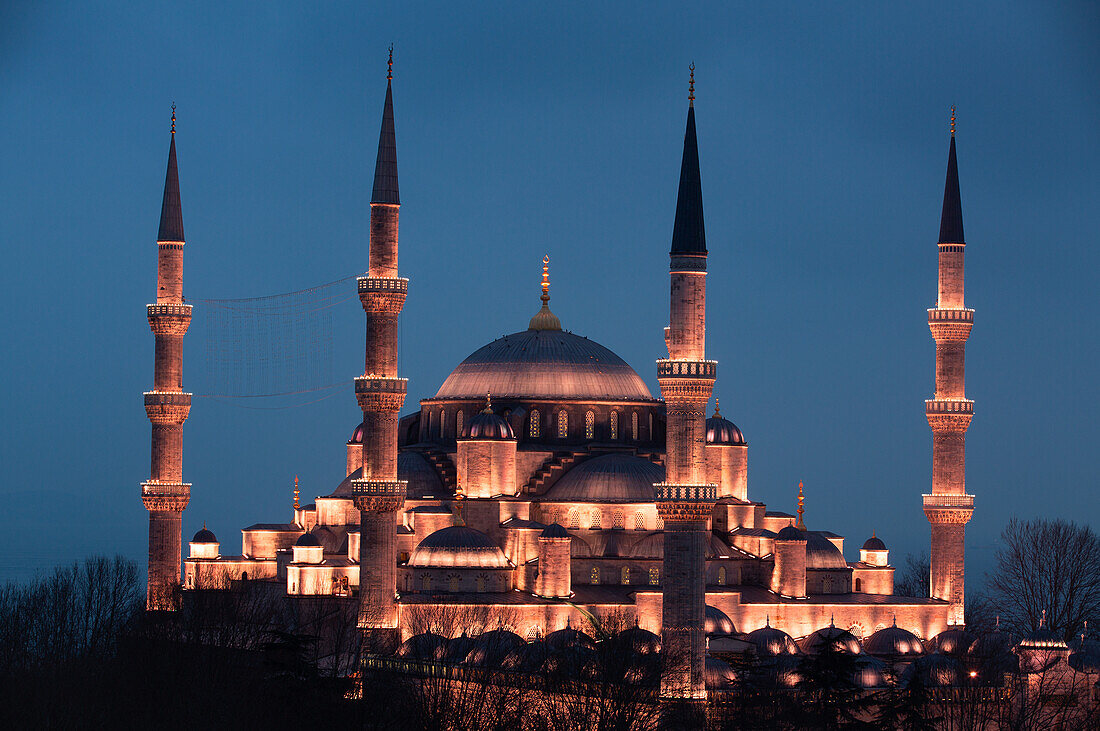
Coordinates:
544 484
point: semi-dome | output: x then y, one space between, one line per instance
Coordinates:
653 546
554 530
459 546
831 638
536 364
487 425
893 641
204 536
821 553
610 478
307 540
721 430
771 641
717 622
874 543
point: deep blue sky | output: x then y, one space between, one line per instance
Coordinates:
525 129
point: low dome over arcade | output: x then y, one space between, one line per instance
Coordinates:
610 478
458 546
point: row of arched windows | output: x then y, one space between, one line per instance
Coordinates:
534 429
626 574
596 519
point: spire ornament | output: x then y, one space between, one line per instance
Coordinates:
173 117
717 413
389 65
544 319
296 493
801 509
691 85
952 120
488 404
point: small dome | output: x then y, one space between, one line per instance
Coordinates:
790 533
771 641
717 622
723 431
931 671
893 641
568 638
204 536
822 554
1086 660
874 543
487 425
491 648
458 648
424 646
835 638
458 546
609 478
637 641
307 539
951 642
555 531
718 674
870 672
357 434
527 659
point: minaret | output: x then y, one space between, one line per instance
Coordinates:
379 494
165 494
685 500
949 507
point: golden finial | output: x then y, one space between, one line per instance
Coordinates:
1043 618
952 120
691 85
296 492
801 500
488 404
204 525
459 497
173 117
389 71
546 279
717 414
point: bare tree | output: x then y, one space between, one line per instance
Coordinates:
1050 567
915 578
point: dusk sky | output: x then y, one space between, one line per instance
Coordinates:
555 128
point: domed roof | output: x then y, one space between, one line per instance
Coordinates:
933 671
204 536
717 674
544 364
771 641
638 641
951 642
874 543
491 648
424 646
460 546
487 425
893 641
822 554
610 478
411 467
554 531
870 672
307 540
721 430
653 546
835 638
790 533
567 638
357 434
717 622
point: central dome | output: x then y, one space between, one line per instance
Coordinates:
551 364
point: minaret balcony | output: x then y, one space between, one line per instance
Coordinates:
948 509
703 369
167 407
950 325
383 295
950 314
383 284
165 496
168 309
949 406
379 495
705 493
380 393
948 501
169 318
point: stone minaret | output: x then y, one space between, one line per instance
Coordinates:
949 507
379 494
685 500
165 494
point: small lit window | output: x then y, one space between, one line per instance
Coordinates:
654 576
660 522
442 422
651 426
458 424
721 575
626 575
574 519
614 425
595 574
589 425
426 582
639 520
859 585
618 519
634 426
597 520
563 424
535 429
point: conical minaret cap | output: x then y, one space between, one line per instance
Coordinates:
688 234
385 166
171 212
951 220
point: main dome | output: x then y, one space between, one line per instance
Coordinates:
552 364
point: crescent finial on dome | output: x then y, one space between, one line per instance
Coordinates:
544 319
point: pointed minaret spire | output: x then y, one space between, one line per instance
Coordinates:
801 509
385 166
171 213
951 220
688 235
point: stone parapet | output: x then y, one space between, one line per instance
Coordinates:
165 496
383 295
167 408
683 502
950 325
948 509
693 369
949 415
168 319
379 495
380 393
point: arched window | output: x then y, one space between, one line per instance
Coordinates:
614 425
626 575
651 426
458 424
721 575
426 582
574 519
597 520
595 574
563 424
634 426
589 425
452 583
481 582
533 633
442 423
618 519
639 520
859 585
660 522
536 427
654 576
408 582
